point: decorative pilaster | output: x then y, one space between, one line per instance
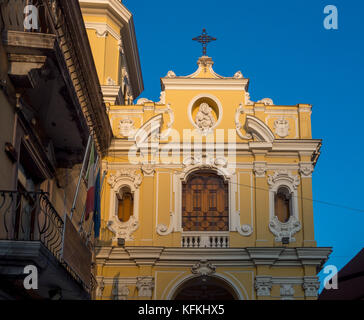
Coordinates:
311 285
263 285
260 168
148 170
306 169
100 289
145 286
120 292
287 292
261 200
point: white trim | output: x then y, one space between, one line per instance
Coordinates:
161 228
204 84
102 29
259 129
245 230
122 17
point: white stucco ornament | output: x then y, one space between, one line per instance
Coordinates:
126 127
281 127
204 118
266 101
203 268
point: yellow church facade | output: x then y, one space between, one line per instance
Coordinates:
206 194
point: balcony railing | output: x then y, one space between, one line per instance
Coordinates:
12 15
205 239
30 216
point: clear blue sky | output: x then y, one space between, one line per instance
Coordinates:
284 49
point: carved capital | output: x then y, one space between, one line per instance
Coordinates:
260 168
263 285
145 286
148 170
311 285
120 292
306 169
287 292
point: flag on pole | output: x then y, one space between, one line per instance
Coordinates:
97 206
90 176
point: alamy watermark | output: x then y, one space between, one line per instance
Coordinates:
31 280
331 21
330 281
31 20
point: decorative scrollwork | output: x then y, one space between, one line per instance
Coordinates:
239 126
163 230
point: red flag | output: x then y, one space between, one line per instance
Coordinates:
90 200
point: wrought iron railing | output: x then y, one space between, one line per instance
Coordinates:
30 216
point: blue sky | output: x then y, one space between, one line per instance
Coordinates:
287 54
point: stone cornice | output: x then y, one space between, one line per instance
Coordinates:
187 257
76 51
181 83
279 147
122 16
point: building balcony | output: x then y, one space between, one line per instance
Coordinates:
205 239
12 15
32 233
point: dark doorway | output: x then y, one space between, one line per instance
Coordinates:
205 288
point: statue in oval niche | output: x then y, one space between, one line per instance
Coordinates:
204 118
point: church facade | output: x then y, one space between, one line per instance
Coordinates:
206 193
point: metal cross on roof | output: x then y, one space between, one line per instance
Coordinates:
204 39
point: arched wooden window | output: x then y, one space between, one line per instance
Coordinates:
125 205
282 204
205 203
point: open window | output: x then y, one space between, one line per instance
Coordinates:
125 204
283 204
